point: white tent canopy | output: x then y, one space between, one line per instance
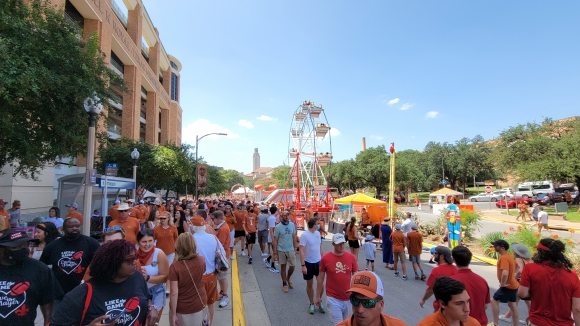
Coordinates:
240 191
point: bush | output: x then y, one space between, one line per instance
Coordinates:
485 243
470 222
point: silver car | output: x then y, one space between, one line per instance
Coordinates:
494 196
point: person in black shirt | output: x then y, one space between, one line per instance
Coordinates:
114 289
70 255
25 283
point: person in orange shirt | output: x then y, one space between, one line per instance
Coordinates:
251 229
399 241
4 216
165 235
367 300
72 212
366 219
240 218
229 218
138 212
129 224
508 285
322 230
454 301
113 210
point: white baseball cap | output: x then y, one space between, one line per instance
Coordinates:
338 238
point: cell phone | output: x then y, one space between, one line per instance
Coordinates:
113 317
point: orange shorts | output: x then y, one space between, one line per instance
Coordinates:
210 283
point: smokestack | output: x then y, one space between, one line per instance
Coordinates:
364 144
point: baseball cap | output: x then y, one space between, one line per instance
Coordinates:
442 250
414 226
13 238
501 243
338 238
2 202
398 226
198 221
117 201
141 201
370 237
73 204
366 283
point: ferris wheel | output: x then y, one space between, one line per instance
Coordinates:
309 151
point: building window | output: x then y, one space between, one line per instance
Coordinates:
173 87
117 63
173 65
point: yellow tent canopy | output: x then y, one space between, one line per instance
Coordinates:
360 199
446 192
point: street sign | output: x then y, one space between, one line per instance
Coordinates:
111 169
92 177
444 182
488 190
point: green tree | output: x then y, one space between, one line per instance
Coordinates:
342 175
266 182
232 177
216 184
409 172
373 167
281 175
46 73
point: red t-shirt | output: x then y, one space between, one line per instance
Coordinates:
441 270
552 290
339 270
478 291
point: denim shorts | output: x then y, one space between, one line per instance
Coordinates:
158 296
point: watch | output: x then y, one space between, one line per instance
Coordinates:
303 265
148 277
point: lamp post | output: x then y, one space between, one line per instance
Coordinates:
135 157
93 107
197 139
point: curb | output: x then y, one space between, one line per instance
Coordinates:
238 316
551 227
480 258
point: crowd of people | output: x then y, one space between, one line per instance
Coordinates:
182 250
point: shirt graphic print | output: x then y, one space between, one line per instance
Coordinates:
70 262
13 298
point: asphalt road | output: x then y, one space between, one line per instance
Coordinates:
401 297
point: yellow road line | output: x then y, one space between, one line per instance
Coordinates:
239 319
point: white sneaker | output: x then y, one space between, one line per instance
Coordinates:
224 301
266 262
244 253
265 254
232 257
502 317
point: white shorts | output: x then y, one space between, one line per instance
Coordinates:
338 310
232 238
170 258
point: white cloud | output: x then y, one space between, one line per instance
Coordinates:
202 127
246 123
406 106
375 137
334 132
265 118
431 115
393 101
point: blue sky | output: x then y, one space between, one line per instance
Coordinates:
407 72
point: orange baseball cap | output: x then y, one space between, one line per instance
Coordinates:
366 283
198 221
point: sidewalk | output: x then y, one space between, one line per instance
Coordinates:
555 222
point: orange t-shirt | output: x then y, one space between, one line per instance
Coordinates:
113 212
415 243
507 262
438 319
229 217
241 217
76 215
385 320
398 239
351 233
251 223
130 226
165 238
5 220
137 213
161 208
366 219
308 213
224 236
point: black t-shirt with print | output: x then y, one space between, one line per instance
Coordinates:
69 259
23 287
107 299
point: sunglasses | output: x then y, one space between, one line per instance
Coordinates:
366 303
114 228
146 232
131 259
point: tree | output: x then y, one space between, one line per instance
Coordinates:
373 167
232 177
281 175
408 172
266 182
216 184
46 73
343 176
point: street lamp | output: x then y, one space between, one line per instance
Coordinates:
135 157
93 107
197 139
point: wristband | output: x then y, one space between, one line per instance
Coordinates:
303 265
148 277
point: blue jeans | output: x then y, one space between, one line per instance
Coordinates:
158 296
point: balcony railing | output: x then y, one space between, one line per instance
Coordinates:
145 49
120 14
118 68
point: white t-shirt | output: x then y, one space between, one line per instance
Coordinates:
271 224
407 226
543 217
311 242
206 246
370 249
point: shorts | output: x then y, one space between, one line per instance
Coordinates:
399 256
239 234
251 238
370 261
312 269
222 276
542 225
338 310
210 283
415 259
287 257
157 294
353 244
232 236
505 295
263 236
